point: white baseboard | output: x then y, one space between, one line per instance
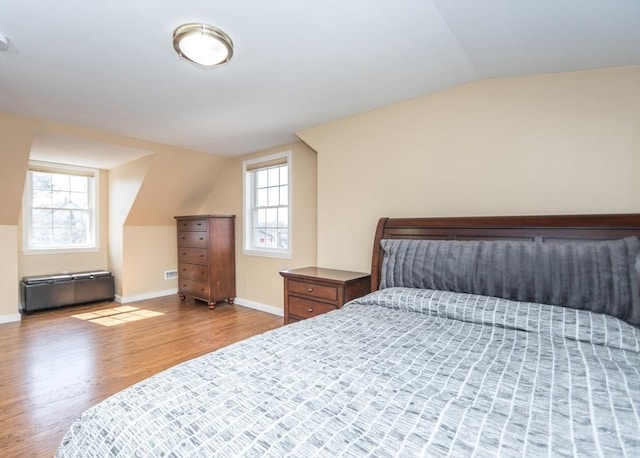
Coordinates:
10 318
142 297
258 306
168 292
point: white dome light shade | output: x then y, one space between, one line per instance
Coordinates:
203 44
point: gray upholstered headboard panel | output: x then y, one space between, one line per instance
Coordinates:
568 228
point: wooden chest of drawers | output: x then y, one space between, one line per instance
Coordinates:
206 258
312 291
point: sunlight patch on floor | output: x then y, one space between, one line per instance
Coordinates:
117 315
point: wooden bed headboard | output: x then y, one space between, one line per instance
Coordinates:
538 228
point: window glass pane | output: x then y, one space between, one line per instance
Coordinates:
79 237
61 218
284 174
259 238
42 198
79 200
261 178
78 220
78 184
272 216
284 195
274 196
261 197
274 176
59 182
283 217
283 238
41 218
262 217
41 180
60 199
41 236
61 236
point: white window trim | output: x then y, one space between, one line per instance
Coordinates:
26 214
247 212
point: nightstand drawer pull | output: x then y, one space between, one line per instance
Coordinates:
310 310
310 290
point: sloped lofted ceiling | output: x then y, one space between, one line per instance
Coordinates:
111 65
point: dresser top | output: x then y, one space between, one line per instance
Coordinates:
322 273
203 216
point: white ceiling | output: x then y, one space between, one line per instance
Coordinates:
110 65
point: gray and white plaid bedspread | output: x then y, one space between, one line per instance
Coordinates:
400 372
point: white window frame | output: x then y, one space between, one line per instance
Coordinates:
93 191
248 207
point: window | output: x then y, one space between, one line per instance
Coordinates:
59 209
267 205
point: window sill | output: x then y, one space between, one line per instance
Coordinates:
39 251
267 254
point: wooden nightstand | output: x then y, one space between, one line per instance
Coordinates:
312 291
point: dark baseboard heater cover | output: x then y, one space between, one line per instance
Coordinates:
48 291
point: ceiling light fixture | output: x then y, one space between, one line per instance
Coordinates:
202 44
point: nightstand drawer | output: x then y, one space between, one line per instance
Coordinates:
193 255
192 225
193 238
329 293
193 271
306 308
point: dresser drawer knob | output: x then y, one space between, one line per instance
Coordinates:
310 290
310 310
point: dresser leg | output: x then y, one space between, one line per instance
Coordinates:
212 305
230 300
182 297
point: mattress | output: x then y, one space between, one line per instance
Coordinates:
399 372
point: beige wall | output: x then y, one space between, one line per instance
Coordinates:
257 277
124 183
16 137
150 250
548 144
9 293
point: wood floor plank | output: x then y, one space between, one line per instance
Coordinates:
54 366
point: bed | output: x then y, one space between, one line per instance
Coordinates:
448 356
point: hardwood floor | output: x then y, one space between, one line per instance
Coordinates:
54 366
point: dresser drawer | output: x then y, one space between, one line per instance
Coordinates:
193 238
193 288
307 308
192 225
193 271
192 255
329 293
